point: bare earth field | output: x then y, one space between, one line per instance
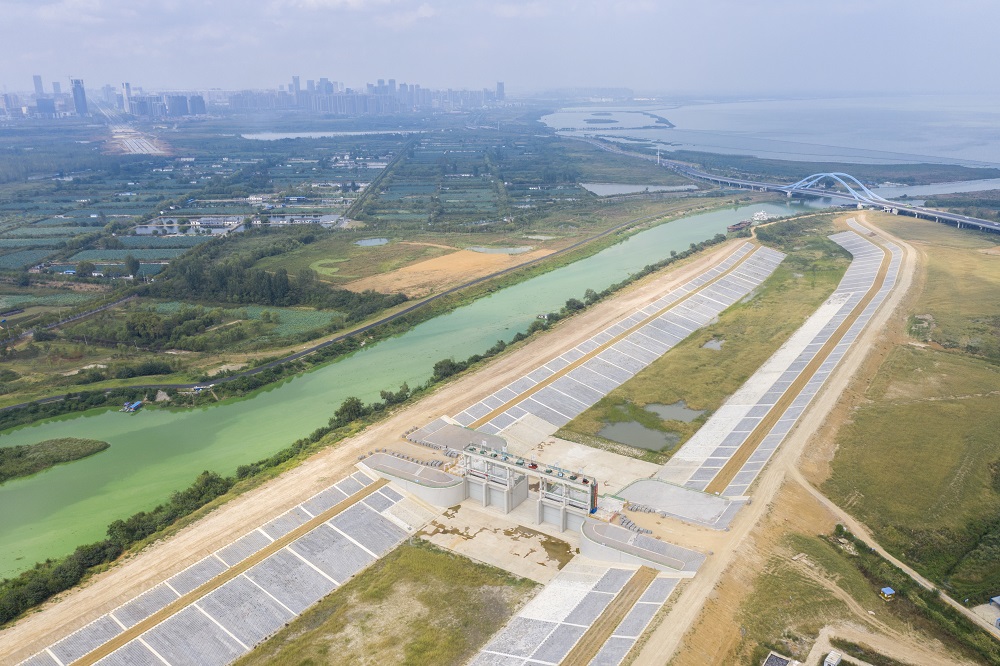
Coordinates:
106 591
433 275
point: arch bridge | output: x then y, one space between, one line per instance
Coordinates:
855 188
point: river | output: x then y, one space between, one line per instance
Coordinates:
155 452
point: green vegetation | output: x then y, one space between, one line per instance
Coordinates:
984 205
752 330
419 605
222 271
918 461
809 593
918 607
17 461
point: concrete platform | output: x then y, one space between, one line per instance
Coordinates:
689 505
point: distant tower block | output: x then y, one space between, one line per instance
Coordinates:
500 91
39 90
79 97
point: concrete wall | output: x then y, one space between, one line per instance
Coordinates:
438 496
598 551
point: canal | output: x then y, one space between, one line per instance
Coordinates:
156 452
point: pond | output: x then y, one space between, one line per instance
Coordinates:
635 434
678 411
372 242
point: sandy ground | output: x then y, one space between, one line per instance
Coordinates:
434 275
666 640
104 592
893 647
484 535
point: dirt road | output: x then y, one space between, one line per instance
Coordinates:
129 578
665 641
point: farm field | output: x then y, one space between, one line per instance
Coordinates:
919 460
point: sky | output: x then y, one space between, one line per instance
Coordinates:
717 47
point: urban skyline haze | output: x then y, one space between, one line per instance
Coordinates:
670 47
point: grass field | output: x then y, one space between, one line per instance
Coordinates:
19 461
919 461
752 331
337 259
417 606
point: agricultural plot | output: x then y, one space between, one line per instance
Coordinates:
31 242
22 259
36 231
149 254
289 321
156 242
11 301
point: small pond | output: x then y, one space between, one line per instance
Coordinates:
678 411
371 242
635 434
714 343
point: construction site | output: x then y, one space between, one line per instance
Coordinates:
645 543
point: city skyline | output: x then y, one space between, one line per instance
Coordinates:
669 47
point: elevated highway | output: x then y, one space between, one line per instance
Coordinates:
855 193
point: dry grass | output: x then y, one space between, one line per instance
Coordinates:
752 331
419 605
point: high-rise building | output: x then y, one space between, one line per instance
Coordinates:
45 106
500 92
196 105
127 97
177 105
39 90
79 97
56 88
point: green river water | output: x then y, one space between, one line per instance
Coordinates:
156 452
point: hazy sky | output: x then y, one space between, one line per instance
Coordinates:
670 46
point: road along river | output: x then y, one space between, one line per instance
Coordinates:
156 452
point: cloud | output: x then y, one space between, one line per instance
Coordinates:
512 10
406 18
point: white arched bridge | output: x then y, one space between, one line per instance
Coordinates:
854 192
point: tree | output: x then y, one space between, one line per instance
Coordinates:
574 304
350 410
85 269
132 265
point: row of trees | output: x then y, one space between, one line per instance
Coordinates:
221 271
